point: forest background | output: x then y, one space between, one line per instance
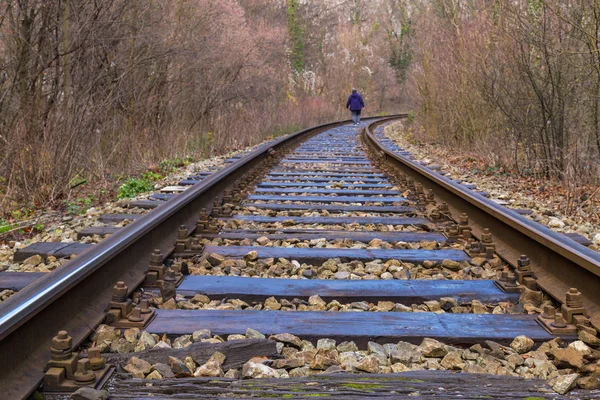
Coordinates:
93 90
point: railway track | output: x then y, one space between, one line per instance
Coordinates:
329 237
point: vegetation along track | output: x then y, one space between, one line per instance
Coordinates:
329 225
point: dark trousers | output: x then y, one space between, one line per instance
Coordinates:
356 116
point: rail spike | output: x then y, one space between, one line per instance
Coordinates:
67 372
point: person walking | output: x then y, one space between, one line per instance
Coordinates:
355 104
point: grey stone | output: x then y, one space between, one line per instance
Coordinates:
201 334
288 338
447 303
347 346
254 334
138 367
164 370
522 344
564 383
255 370
210 368
122 346
87 393
182 341
179 368
453 361
432 348
326 344
368 364
376 348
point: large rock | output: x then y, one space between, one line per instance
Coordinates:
137 367
254 334
562 384
347 346
255 370
182 341
376 348
164 369
522 344
210 368
589 339
201 334
105 333
215 259
179 368
581 347
322 362
288 363
432 348
300 372
87 393
148 340
453 361
406 353
590 382
451 265
288 338
131 335
122 346
569 358
154 375
399 367
368 364
326 344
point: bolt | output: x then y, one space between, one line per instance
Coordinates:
168 289
444 207
523 264
475 248
463 226
62 341
196 246
61 348
96 359
486 236
84 374
430 197
182 233
559 321
136 315
119 294
156 258
145 306
549 312
574 298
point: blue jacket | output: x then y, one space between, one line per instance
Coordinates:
355 102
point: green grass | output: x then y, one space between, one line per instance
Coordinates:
362 385
134 186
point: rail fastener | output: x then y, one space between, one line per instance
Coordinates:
67 372
572 314
123 313
157 269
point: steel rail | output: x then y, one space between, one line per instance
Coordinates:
558 262
74 297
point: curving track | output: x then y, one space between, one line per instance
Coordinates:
284 212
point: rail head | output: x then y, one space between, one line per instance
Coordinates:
559 262
74 297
